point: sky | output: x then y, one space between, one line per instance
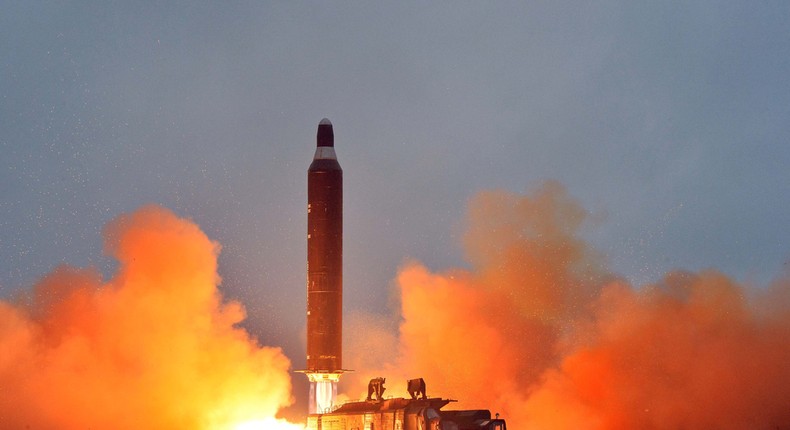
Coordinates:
666 120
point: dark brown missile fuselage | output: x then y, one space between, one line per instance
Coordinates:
324 256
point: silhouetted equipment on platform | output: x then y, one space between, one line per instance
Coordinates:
415 387
376 386
403 414
473 419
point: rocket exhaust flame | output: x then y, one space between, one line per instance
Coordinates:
155 347
539 331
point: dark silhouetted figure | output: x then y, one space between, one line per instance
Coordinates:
376 385
416 386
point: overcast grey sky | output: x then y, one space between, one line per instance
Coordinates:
667 120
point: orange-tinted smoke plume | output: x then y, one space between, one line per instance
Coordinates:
541 332
155 347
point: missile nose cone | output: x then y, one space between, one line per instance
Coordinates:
325 135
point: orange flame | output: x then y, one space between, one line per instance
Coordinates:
155 347
540 332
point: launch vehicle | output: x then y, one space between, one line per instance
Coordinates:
324 271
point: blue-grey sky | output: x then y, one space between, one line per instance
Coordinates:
667 120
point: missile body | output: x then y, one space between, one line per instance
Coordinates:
324 257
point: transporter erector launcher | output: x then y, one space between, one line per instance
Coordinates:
324 272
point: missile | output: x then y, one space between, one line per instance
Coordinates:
324 271
324 255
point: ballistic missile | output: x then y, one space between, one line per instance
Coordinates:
324 271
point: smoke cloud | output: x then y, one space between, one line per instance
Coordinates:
540 331
537 329
155 347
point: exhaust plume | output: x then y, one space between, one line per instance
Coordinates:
540 331
155 347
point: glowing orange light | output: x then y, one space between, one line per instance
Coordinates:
268 424
156 346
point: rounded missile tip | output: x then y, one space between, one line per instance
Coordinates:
325 136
